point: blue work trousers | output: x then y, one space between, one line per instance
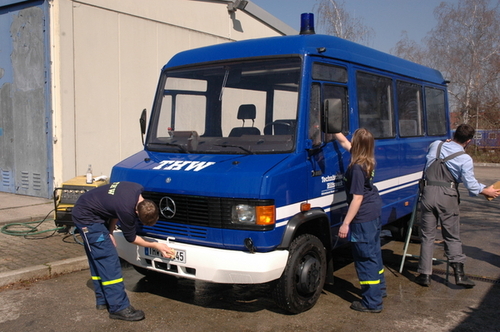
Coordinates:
105 267
367 254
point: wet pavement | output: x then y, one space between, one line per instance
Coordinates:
65 302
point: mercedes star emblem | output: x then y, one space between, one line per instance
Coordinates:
167 207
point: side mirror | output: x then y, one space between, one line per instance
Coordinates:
332 115
142 122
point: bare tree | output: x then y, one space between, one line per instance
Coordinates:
334 20
410 50
465 47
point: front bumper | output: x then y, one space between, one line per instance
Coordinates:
207 264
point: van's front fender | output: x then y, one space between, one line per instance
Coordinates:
314 221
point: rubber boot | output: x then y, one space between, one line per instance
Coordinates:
460 277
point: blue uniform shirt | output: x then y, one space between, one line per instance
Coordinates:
115 200
357 183
461 167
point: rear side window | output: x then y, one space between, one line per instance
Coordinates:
375 104
410 110
436 111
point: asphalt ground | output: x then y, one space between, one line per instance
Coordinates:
66 302
35 248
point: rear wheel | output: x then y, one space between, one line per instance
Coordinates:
302 281
399 228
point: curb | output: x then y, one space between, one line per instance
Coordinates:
44 271
486 165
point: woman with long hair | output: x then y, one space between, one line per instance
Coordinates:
362 221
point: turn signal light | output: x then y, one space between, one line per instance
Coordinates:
305 207
266 215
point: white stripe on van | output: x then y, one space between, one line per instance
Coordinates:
338 199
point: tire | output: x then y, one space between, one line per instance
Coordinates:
302 281
399 229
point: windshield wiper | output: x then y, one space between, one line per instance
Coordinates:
235 146
182 148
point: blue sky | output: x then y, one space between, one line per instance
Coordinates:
388 18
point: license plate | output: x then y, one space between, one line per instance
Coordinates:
180 255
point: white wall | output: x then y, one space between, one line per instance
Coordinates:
107 55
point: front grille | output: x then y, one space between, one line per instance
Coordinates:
164 227
194 210
194 215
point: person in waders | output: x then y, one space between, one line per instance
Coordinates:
447 165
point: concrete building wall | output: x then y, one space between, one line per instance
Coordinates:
76 74
106 58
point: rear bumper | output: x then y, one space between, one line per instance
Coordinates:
207 264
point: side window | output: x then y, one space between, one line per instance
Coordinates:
410 109
315 114
320 91
436 111
327 72
375 104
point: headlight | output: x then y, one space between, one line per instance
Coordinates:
244 214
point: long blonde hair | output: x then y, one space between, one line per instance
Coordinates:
363 150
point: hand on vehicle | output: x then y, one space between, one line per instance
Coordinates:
165 250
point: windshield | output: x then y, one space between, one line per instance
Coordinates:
236 108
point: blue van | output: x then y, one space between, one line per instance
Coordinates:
240 157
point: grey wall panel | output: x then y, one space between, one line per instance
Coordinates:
24 155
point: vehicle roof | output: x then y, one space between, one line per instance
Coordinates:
305 45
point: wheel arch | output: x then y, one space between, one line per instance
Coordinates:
315 222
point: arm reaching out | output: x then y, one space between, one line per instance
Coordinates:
343 141
491 191
165 250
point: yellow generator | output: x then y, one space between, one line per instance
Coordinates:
66 196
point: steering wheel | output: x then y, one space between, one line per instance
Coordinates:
278 123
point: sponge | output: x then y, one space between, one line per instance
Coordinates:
496 185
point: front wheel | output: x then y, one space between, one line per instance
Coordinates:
302 281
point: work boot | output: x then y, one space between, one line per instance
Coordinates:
358 306
423 279
129 314
460 277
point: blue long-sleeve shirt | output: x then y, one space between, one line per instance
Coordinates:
114 200
461 167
